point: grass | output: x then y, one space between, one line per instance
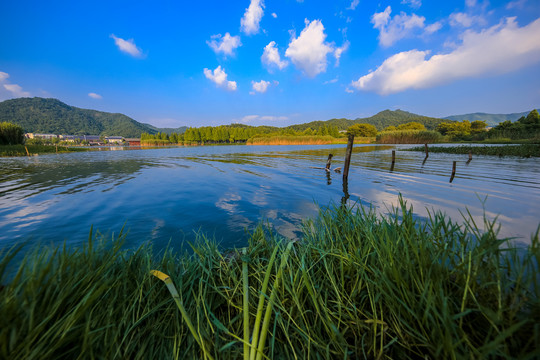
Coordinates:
296 140
409 137
19 150
524 150
357 285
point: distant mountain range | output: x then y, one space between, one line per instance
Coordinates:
39 115
491 119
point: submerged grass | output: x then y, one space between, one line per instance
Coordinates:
296 140
523 150
357 285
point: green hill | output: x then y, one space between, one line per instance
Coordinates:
380 121
490 119
39 115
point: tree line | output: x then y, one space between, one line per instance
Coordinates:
11 134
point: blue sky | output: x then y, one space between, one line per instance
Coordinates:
175 63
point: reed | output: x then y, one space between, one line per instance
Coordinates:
356 285
296 140
19 150
523 150
409 137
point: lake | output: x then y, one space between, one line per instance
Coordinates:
167 195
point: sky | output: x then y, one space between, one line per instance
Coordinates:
200 63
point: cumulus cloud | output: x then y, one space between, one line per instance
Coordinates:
308 51
274 15
219 77
225 44
412 3
353 5
271 58
392 29
463 19
515 4
430 29
260 86
340 50
252 17
95 96
127 46
499 49
14 89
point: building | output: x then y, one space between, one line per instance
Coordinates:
114 139
134 141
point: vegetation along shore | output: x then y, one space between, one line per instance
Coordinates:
356 285
523 150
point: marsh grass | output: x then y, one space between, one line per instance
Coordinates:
409 137
523 150
19 150
296 140
357 285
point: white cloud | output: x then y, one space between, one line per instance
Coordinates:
396 28
127 46
500 49
470 3
260 86
308 51
253 118
225 44
515 4
274 15
219 77
412 3
463 19
95 96
333 81
14 89
430 29
353 5
271 58
340 50
252 17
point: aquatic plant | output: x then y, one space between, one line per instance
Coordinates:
409 137
524 150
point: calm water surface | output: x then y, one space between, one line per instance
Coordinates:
167 195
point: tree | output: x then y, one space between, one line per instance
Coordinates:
413 125
362 130
478 126
11 134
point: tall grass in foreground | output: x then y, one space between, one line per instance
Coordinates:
524 150
357 285
409 137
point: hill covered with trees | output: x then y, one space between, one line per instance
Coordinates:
39 115
490 119
380 120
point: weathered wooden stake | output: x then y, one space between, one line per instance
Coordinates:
348 158
453 171
427 150
393 160
27 153
329 162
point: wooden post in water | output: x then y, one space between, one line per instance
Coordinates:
27 153
393 160
348 158
453 171
427 150
470 157
329 162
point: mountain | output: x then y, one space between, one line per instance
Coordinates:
380 121
39 115
169 131
491 119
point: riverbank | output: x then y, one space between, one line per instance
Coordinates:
300 140
523 150
355 285
21 150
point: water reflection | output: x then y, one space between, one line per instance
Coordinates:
167 195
